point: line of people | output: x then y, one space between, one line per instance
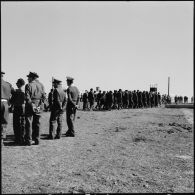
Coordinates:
27 103
120 99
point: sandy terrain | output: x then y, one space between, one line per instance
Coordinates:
135 151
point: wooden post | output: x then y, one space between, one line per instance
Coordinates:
168 84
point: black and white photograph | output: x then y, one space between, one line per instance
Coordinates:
97 97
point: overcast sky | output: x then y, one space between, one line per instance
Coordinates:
112 45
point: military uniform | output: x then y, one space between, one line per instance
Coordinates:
6 92
57 110
72 104
18 103
91 99
35 96
85 100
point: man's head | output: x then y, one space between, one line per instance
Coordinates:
20 82
56 83
32 76
69 80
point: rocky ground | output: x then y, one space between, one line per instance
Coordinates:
134 151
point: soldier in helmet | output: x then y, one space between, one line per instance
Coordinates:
57 110
6 92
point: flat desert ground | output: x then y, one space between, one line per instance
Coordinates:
119 151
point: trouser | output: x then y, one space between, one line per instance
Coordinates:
85 105
56 116
91 104
32 127
4 118
18 127
70 119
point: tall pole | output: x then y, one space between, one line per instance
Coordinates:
168 84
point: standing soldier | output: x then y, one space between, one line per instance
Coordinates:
85 100
35 96
110 100
115 99
144 99
119 99
18 104
148 99
57 110
6 92
98 100
159 99
126 99
72 105
135 99
50 99
91 99
130 100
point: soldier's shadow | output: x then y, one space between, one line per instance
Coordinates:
9 141
46 136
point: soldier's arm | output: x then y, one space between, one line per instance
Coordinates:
64 103
27 94
70 98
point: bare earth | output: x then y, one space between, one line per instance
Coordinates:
134 151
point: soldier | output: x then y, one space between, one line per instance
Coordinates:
98 100
18 104
135 99
72 105
35 96
131 105
85 100
103 100
6 92
140 103
185 99
115 99
126 99
152 99
144 99
159 99
91 99
110 100
119 99
148 99
57 110
50 99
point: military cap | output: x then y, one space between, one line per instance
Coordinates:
20 81
57 81
2 72
69 78
33 75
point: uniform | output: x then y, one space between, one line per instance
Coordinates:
18 103
35 96
57 110
6 91
72 104
85 101
91 99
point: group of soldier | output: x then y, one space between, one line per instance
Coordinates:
120 99
27 104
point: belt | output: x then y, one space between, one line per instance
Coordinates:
3 100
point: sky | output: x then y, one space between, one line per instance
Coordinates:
107 44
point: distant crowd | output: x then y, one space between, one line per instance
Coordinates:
119 99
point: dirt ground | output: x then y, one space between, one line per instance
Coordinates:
130 150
